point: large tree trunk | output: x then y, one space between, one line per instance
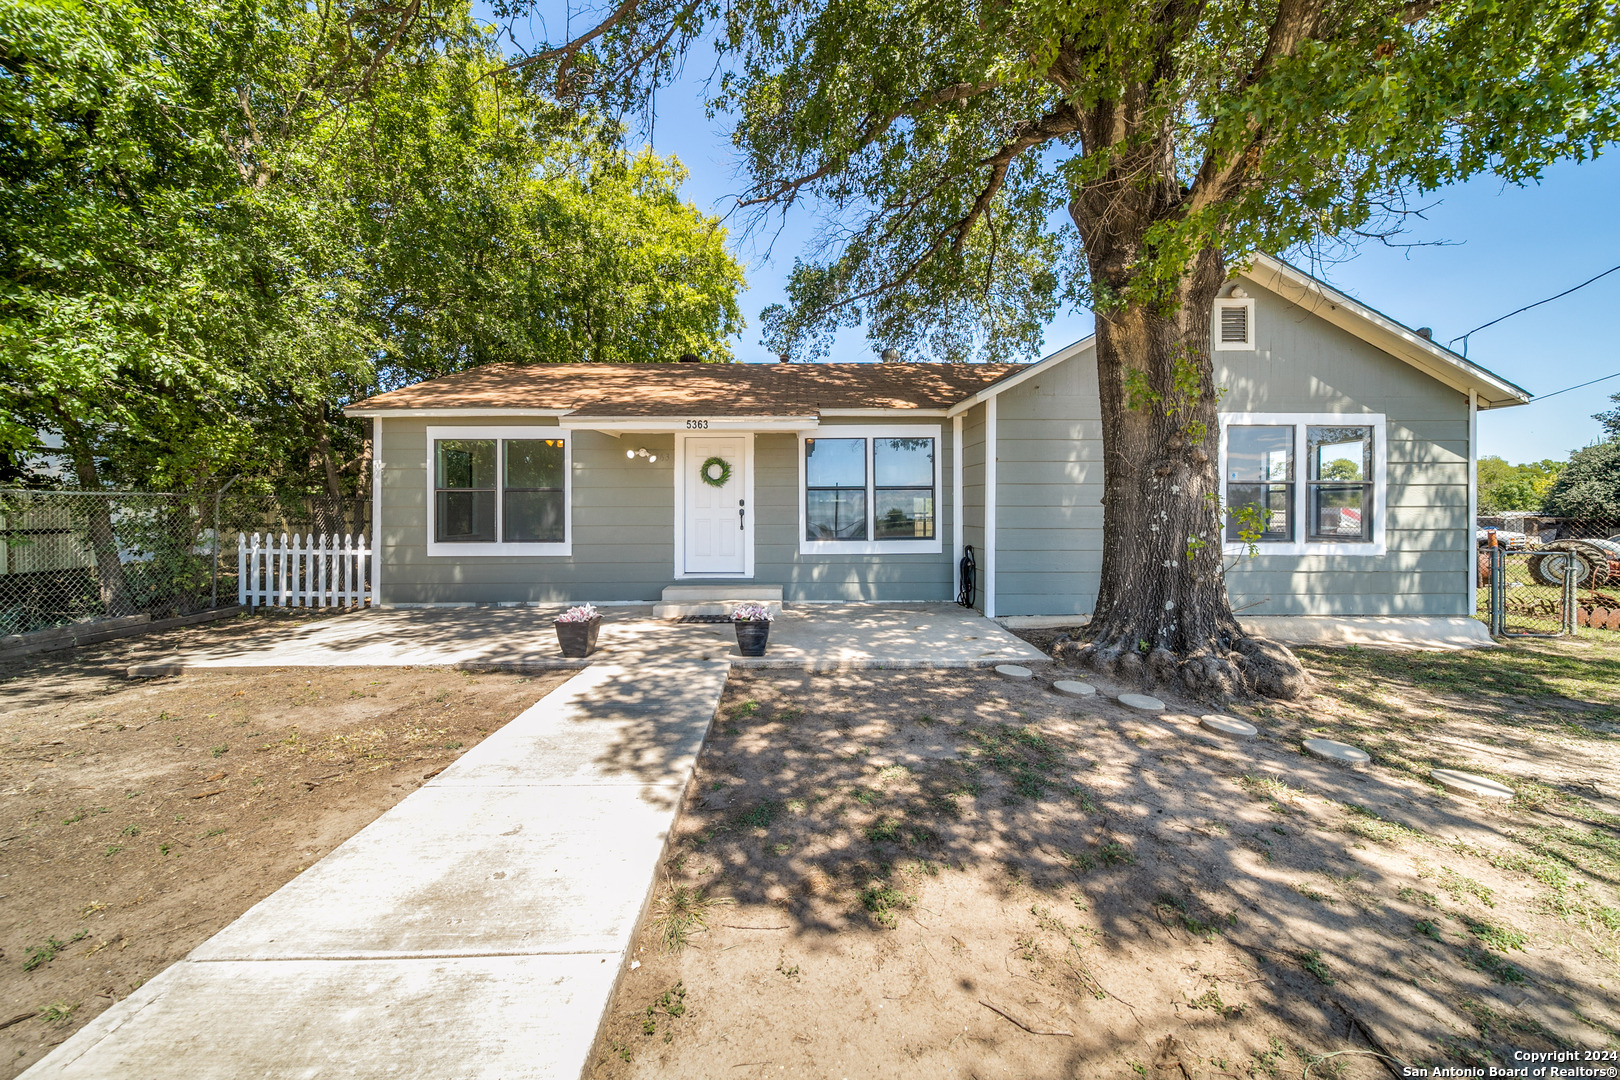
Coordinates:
1162 613
111 581
329 503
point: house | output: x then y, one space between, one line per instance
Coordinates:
845 482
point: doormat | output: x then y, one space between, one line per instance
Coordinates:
702 619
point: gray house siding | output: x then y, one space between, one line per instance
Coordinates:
1049 492
973 493
831 577
1303 364
1049 517
623 543
623 529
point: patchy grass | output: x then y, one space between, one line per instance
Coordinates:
682 912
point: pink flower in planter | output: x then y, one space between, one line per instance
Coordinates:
583 613
752 613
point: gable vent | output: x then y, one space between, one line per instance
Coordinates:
1234 324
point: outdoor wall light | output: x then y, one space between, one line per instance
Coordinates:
642 452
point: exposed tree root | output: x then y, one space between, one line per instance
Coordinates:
1249 667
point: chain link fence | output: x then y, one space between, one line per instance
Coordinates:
76 556
1549 576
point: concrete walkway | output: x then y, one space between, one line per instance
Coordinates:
810 637
477 929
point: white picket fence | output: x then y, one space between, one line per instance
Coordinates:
305 571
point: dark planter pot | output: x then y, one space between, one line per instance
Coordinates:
578 639
751 636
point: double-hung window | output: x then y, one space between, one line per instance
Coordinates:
1297 483
870 490
498 491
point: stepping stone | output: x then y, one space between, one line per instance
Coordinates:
1343 753
1074 687
1014 671
1141 702
1468 784
1230 726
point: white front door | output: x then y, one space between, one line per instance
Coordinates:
717 519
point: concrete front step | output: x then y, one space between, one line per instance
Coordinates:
686 601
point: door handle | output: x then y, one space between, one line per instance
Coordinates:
739 518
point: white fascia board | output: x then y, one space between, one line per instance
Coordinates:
651 424
1010 381
885 413
429 413
1385 333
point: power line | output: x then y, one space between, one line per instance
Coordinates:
1464 337
1577 386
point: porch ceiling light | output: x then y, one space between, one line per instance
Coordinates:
641 452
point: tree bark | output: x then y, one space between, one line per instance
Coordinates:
329 504
1162 612
112 583
362 482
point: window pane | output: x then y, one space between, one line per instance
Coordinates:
1339 453
904 514
835 515
1341 511
1259 453
465 517
903 463
1272 503
534 463
835 463
466 463
533 517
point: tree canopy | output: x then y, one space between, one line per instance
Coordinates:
1514 487
222 220
1589 486
975 166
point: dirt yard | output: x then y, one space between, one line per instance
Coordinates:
944 874
138 818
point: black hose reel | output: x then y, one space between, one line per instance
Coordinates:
966 571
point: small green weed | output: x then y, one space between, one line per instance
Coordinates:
111 850
1210 1000
882 901
130 830
1362 822
1495 966
760 816
1114 853
1429 929
40 955
1314 965
884 831
221 749
1417 896
58 1012
682 912
1500 938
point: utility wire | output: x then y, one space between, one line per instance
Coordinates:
1577 386
1464 338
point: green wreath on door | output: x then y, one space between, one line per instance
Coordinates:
716 472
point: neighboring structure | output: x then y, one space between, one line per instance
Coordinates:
841 482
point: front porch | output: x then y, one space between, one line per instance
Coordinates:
805 637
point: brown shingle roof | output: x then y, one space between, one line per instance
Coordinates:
707 389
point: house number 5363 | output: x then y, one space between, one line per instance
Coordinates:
697 423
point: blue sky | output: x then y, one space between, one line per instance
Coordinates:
1501 247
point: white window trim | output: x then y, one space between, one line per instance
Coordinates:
682 459
1215 326
1301 545
875 547
439 549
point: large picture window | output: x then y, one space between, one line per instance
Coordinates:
498 491
1337 507
870 490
